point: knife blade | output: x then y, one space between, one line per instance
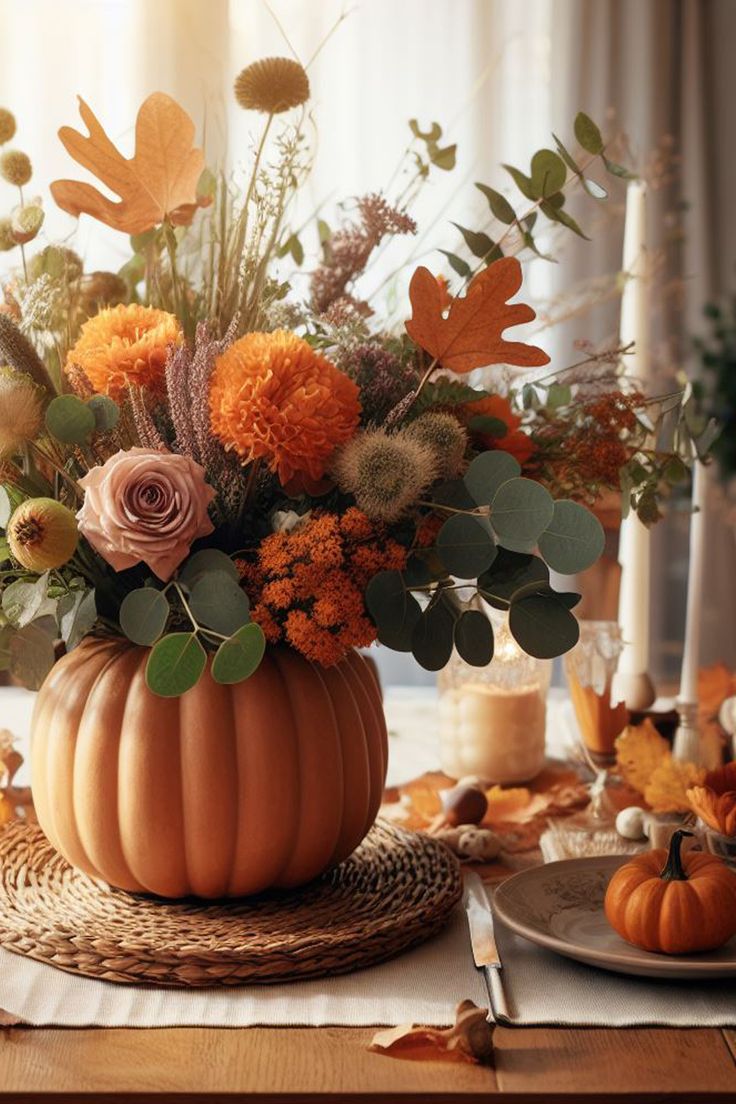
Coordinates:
483 942
480 922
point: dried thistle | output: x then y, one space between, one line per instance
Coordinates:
444 436
7 125
21 411
15 167
386 474
272 85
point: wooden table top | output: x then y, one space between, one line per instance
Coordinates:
542 1065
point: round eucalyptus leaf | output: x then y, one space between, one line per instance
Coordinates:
70 420
219 602
143 615
207 559
106 412
453 493
432 638
487 473
386 599
238 657
474 638
400 639
509 573
548 172
520 512
416 573
175 665
465 545
542 625
573 540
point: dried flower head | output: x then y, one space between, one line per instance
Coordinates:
272 85
42 534
21 411
7 125
26 221
102 289
15 167
385 473
125 345
350 250
55 261
7 238
383 378
444 436
273 397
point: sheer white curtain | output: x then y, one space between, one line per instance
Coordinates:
499 75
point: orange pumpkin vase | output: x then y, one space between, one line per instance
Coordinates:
671 903
224 792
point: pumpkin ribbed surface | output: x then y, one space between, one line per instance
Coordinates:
225 791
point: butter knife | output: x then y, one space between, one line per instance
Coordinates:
483 941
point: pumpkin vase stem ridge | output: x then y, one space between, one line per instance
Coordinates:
224 792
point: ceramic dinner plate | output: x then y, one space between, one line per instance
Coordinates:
560 906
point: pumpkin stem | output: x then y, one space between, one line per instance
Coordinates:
673 870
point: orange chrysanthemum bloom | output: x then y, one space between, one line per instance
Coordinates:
123 345
514 441
273 397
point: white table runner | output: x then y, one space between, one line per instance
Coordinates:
541 987
423 985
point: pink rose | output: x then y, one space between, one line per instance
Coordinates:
143 505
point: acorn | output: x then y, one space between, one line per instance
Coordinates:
463 805
42 534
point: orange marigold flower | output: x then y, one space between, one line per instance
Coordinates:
355 524
272 396
515 440
308 585
124 345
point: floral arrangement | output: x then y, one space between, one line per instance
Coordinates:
200 457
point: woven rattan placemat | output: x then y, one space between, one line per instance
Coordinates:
395 891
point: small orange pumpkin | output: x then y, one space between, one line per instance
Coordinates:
224 792
671 903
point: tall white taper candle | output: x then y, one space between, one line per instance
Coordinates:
632 683
687 744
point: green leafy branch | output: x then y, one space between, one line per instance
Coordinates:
209 596
551 174
498 521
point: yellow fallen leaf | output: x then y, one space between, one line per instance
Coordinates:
666 790
715 684
158 182
639 751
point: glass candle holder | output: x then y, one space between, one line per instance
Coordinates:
590 668
492 719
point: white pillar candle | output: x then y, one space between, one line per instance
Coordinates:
634 540
695 575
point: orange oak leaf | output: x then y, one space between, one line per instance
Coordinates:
470 336
158 182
